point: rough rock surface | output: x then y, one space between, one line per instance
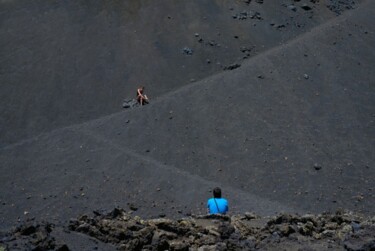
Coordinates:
339 6
336 231
300 138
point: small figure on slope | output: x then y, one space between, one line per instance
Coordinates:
141 98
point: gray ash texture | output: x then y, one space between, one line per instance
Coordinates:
273 101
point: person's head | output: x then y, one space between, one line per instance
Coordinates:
217 192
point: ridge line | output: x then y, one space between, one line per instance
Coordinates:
169 94
184 173
248 61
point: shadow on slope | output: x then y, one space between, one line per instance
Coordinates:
281 141
70 171
67 62
295 124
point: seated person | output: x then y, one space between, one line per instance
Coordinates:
217 205
141 98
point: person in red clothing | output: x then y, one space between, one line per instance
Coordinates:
141 98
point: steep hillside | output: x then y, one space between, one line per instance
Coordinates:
291 130
68 62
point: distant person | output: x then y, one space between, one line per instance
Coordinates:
141 97
217 205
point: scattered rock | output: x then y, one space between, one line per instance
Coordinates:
232 67
130 103
187 51
281 26
246 49
37 236
63 247
355 226
339 6
317 167
292 7
306 7
251 216
133 207
247 15
28 230
212 43
340 230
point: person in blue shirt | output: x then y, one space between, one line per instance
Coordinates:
217 205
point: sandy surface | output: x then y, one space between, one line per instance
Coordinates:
64 63
290 130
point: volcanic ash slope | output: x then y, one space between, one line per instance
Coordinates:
290 130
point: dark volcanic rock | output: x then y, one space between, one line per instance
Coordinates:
187 51
232 66
63 247
292 7
287 126
306 7
130 103
85 75
236 232
212 232
317 167
32 236
339 6
247 15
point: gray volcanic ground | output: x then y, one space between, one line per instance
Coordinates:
67 62
274 102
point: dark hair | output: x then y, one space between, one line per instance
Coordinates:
217 192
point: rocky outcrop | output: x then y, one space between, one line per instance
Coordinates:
237 232
341 231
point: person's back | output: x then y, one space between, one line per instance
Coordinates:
217 205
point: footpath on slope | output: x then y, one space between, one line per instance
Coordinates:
168 95
53 50
327 114
70 172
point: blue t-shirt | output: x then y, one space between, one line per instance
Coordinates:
221 208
